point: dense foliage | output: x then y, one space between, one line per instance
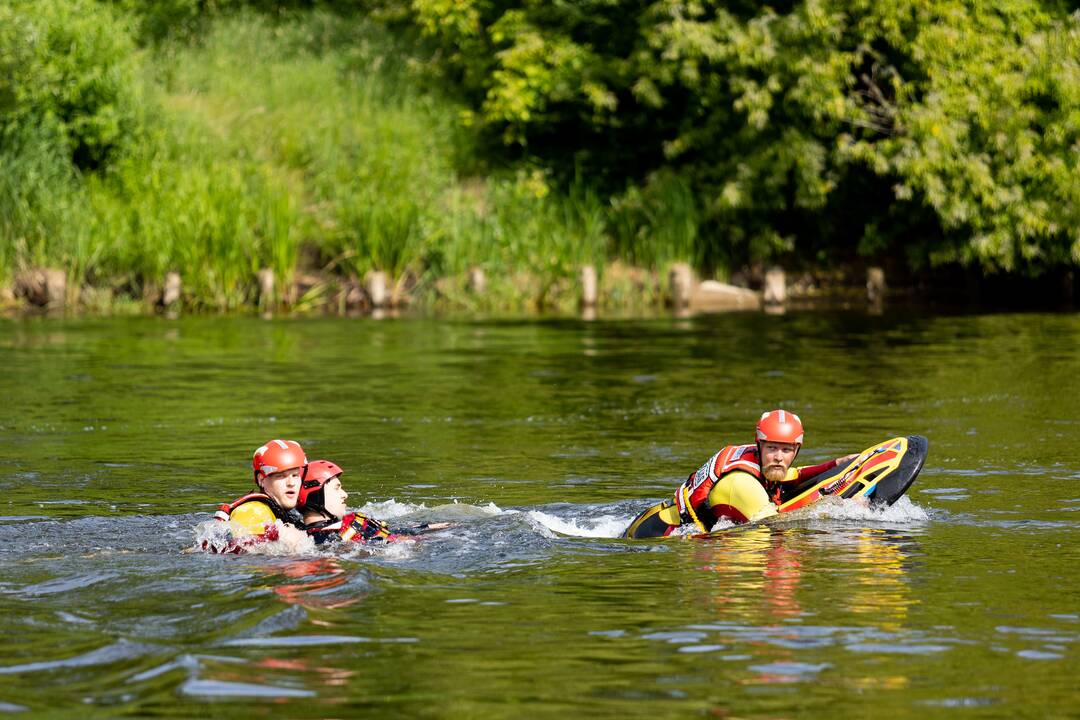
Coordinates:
946 129
222 136
67 67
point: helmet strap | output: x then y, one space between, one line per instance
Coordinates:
316 501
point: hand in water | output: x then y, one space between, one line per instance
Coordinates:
294 540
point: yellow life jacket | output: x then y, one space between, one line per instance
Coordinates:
253 513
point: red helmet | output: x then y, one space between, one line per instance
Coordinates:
780 426
316 475
277 455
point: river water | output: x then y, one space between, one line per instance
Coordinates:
540 439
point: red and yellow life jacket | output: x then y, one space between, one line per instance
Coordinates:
692 497
225 510
354 527
258 519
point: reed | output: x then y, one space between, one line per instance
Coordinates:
188 202
43 211
658 223
276 144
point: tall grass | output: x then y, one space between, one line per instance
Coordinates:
369 159
186 202
658 223
374 157
43 210
271 143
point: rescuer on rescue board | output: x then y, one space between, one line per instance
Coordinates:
742 483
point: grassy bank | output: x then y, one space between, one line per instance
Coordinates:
311 148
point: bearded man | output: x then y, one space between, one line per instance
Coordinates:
743 483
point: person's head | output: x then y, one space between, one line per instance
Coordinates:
321 492
779 438
279 466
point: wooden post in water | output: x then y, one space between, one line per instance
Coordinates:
170 295
44 287
681 280
875 285
775 293
477 280
265 280
589 288
55 288
375 284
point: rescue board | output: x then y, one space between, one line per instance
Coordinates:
881 473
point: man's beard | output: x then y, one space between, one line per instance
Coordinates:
775 473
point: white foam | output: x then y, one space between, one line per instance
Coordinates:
903 511
605 526
214 536
391 509
401 550
721 524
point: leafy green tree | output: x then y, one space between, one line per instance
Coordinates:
817 129
69 67
987 132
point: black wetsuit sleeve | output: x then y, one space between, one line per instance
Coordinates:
294 518
421 529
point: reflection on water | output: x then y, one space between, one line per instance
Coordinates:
540 440
882 590
315 582
761 575
758 574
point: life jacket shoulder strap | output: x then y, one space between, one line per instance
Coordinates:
354 527
692 497
225 509
323 526
738 457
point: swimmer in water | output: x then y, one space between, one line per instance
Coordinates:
327 517
743 483
269 513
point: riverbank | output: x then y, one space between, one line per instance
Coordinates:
306 161
281 164
616 290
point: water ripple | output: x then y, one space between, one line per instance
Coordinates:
120 650
220 688
313 640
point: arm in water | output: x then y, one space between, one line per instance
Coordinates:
359 528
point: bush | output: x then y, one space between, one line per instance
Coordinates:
68 66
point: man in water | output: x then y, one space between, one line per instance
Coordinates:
270 512
327 517
743 483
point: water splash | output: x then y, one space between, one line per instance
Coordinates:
392 509
903 512
605 526
214 536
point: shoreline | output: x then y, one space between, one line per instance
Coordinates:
619 291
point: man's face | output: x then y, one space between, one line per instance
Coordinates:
776 458
334 497
283 487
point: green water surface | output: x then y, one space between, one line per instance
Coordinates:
541 439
